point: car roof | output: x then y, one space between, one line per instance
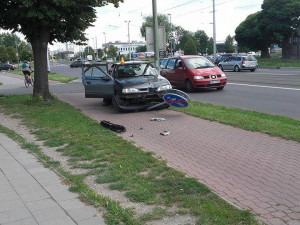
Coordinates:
132 62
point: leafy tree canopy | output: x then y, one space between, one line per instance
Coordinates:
45 21
201 41
229 44
190 47
9 40
141 48
162 20
280 17
112 51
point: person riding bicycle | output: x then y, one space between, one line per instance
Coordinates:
26 69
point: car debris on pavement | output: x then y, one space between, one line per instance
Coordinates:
159 119
165 133
114 127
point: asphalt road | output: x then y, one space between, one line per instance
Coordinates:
273 91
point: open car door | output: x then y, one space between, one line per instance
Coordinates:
97 82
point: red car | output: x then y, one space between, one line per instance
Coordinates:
192 72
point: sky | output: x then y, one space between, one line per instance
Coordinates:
192 15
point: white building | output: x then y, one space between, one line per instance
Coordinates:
124 47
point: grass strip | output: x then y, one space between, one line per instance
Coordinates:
115 214
278 126
51 76
123 166
277 62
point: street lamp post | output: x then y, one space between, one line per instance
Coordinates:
169 14
214 29
155 33
104 44
129 40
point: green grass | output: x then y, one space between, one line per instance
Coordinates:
278 62
1 84
120 164
279 126
51 76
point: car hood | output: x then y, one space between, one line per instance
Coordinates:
142 82
207 71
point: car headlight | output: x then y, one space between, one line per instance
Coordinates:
223 75
130 90
198 77
164 87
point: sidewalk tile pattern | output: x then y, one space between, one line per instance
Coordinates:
250 169
31 194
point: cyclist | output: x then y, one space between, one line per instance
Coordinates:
26 69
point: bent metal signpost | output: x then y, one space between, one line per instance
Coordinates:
177 98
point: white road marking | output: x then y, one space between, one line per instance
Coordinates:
252 85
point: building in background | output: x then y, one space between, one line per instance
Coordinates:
123 47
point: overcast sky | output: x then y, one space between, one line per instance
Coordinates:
192 15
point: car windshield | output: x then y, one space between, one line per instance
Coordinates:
197 63
135 70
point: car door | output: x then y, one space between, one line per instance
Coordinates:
179 75
169 71
226 63
97 82
232 63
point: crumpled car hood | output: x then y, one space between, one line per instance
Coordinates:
142 82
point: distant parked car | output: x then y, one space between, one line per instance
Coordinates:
238 63
79 63
7 66
193 72
221 58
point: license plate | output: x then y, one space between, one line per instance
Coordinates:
214 82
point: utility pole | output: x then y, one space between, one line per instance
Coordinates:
155 33
214 29
129 40
105 44
169 14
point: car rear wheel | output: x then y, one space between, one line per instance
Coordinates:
236 69
252 70
220 88
221 67
189 86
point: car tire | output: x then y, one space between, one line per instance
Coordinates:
236 69
221 67
220 88
116 105
252 70
189 86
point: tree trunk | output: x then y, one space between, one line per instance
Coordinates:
265 53
39 47
287 48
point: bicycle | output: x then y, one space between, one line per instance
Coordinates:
28 81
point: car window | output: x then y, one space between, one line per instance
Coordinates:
228 59
238 58
163 63
198 62
178 63
171 64
249 58
151 71
94 72
130 70
233 58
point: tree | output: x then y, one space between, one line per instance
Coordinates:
229 44
162 20
3 54
25 52
9 40
43 22
141 48
190 47
112 51
100 53
201 41
210 46
249 35
11 54
279 20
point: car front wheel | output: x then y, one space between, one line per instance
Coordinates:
236 69
189 86
252 70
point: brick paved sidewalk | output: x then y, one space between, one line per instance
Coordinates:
31 194
250 169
